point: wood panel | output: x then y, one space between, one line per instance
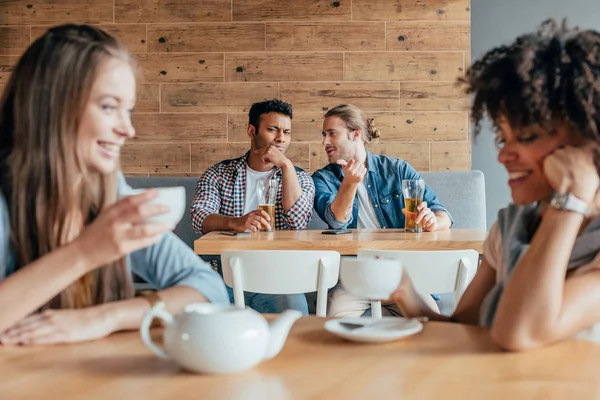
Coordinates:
403 66
433 96
215 97
257 67
155 157
7 64
451 156
427 36
416 154
207 37
306 127
399 126
133 36
180 128
421 126
372 96
172 11
411 10
148 98
13 40
348 36
57 11
161 68
291 10
205 156
203 63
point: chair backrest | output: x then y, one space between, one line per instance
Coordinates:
441 271
281 272
316 222
184 229
463 194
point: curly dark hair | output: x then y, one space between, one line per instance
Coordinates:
265 107
551 73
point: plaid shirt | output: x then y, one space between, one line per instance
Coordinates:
222 190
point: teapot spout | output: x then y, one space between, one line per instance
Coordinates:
279 330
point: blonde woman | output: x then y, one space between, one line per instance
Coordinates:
67 246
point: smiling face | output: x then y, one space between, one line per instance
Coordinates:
523 152
340 142
106 120
273 129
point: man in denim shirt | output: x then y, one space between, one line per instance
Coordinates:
362 190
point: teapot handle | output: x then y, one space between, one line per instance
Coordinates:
145 330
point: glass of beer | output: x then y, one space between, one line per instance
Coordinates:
413 191
267 193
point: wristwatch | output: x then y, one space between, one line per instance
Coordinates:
155 302
569 202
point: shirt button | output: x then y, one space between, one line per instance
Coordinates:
369 186
383 227
375 206
397 195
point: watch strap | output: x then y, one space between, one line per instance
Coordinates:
569 202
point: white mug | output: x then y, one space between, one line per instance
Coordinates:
371 278
172 197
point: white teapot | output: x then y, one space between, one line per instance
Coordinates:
218 338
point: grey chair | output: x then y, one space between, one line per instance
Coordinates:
463 195
184 229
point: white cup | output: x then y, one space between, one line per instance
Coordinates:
371 278
172 197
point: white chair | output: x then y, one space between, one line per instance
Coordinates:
281 272
441 271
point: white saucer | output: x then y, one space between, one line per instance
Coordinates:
386 329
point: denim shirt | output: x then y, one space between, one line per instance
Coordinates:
384 187
168 263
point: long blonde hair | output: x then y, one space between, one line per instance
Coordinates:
51 196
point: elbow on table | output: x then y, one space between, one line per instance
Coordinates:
515 340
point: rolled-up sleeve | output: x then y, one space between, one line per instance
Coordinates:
298 216
429 196
207 199
324 196
171 263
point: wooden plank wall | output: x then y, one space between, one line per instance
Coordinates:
204 62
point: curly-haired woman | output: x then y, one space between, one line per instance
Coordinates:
539 278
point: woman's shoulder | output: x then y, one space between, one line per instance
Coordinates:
492 247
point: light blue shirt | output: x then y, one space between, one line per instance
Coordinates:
168 263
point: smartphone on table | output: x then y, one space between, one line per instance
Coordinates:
336 231
233 233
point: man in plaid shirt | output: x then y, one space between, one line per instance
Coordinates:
226 193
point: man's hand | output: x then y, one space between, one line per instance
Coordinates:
353 172
252 221
426 217
272 155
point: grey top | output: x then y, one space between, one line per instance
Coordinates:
168 263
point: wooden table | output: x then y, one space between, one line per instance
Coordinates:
445 361
214 243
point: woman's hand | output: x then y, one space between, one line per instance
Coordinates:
120 229
407 299
60 326
572 170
